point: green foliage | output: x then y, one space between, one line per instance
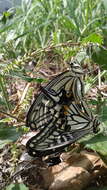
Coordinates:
8 134
25 77
104 114
4 91
19 186
38 23
98 143
94 38
98 55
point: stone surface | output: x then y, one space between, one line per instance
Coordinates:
75 171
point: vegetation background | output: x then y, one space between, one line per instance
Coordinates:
37 39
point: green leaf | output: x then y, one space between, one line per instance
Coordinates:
94 38
98 143
11 36
81 56
5 16
2 102
19 186
8 134
6 119
105 4
68 22
25 77
104 113
98 55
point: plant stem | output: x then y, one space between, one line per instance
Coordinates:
20 120
4 92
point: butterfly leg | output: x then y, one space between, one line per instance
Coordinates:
53 159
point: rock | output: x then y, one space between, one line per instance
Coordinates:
76 171
71 177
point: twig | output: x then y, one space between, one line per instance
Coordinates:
46 75
20 120
102 93
47 49
22 98
99 78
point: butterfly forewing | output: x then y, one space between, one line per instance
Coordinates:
62 85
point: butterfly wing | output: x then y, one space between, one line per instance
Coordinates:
79 122
52 95
53 145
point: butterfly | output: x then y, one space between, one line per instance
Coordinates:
66 87
79 121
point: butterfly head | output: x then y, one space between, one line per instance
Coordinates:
76 67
